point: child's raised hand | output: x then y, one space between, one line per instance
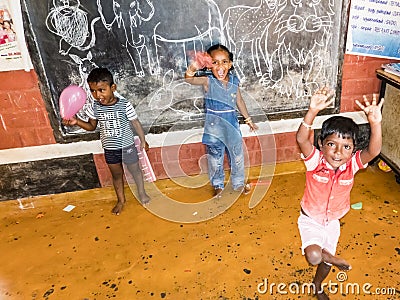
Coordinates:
70 122
372 110
322 98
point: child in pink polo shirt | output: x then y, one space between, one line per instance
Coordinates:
329 179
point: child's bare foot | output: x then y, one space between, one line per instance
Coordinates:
341 264
338 262
218 193
144 199
246 189
118 208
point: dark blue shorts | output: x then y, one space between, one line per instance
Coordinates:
127 155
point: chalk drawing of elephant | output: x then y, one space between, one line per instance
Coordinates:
149 30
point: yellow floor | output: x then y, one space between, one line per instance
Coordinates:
239 253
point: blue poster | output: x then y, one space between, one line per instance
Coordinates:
374 28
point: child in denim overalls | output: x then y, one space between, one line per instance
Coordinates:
221 129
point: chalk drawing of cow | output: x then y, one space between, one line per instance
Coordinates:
249 25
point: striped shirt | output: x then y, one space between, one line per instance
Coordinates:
114 122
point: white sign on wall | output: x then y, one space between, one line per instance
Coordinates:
374 28
13 51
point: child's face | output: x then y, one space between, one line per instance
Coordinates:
103 92
220 64
337 150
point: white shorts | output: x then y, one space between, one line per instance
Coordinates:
313 233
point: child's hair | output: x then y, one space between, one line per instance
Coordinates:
344 127
7 21
223 48
100 74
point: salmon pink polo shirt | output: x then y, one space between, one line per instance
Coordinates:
327 192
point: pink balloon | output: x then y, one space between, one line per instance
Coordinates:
203 59
72 99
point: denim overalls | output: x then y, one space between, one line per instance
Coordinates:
222 132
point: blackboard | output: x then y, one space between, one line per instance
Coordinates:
283 51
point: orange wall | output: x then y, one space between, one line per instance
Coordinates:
24 120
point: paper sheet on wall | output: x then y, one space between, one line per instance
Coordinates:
13 51
374 28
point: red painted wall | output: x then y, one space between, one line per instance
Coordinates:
23 116
24 120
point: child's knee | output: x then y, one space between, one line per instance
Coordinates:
313 254
116 174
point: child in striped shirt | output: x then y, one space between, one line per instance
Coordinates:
114 115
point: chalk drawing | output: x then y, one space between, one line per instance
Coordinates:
162 29
85 65
129 16
281 47
71 24
296 63
250 25
177 96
